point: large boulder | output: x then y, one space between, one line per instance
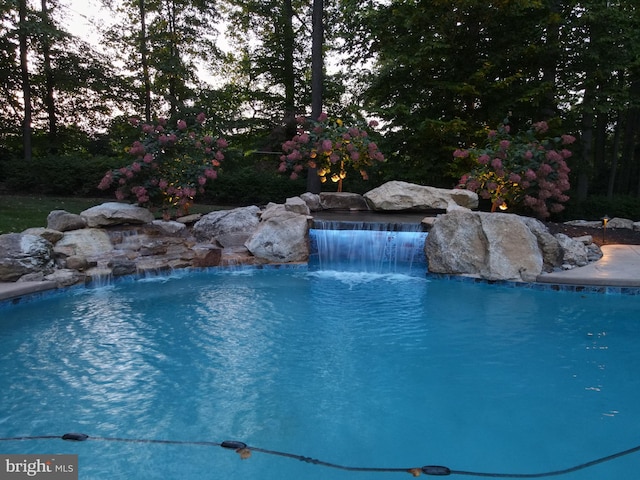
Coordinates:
114 213
281 238
574 252
23 254
549 245
238 221
493 246
396 195
342 201
88 242
63 221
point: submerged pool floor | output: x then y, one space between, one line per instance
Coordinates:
366 370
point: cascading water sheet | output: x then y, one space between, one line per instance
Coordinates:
373 251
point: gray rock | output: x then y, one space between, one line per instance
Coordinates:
77 262
114 213
64 221
170 227
66 277
282 238
122 266
618 222
396 195
574 252
548 244
342 201
297 205
88 242
312 200
49 235
23 254
494 246
211 225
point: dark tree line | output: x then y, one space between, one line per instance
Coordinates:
435 72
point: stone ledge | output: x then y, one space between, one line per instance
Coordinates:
9 290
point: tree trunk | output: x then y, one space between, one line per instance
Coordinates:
614 157
26 84
317 62
144 60
317 81
49 99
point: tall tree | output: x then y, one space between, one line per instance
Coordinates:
23 36
165 42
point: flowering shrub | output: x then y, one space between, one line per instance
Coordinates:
523 170
170 166
330 146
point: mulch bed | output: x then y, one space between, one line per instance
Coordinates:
612 236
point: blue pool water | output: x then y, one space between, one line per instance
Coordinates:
373 370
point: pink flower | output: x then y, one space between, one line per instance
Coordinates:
541 127
458 153
222 143
148 158
568 139
162 184
136 149
304 138
373 123
528 155
545 169
201 118
327 145
182 125
530 175
483 159
135 166
202 180
120 195
293 176
323 117
504 144
553 156
355 156
496 163
219 156
565 153
147 129
211 173
134 121
282 167
514 178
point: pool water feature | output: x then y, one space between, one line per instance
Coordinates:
360 369
373 247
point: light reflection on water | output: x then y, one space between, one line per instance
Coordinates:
359 369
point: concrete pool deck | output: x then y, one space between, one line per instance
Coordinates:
619 267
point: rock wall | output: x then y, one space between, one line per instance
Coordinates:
115 239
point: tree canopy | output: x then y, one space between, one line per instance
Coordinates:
435 73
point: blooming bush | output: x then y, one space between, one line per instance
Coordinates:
331 147
526 170
170 166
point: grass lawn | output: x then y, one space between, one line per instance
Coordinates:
19 212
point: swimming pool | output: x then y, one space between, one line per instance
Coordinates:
366 370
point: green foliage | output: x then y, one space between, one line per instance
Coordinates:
69 174
597 206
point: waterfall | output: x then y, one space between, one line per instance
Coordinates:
373 247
